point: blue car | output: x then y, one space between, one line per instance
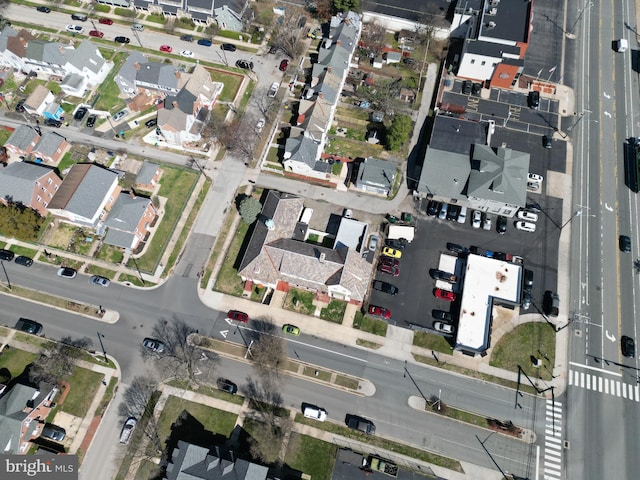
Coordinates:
204 41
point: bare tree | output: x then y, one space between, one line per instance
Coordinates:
138 402
268 351
262 102
240 137
373 37
384 96
324 10
58 360
181 356
286 33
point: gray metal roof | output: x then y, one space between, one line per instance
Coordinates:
128 71
22 137
126 212
17 180
154 73
49 143
303 149
147 172
405 9
7 32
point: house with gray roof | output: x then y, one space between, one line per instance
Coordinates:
23 409
126 77
48 58
86 195
51 147
128 221
161 77
22 140
278 257
13 45
228 14
192 462
148 176
376 176
30 184
87 62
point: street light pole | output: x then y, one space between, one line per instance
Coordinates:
104 352
6 275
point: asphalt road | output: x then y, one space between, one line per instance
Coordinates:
602 419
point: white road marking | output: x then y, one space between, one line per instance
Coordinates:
589 367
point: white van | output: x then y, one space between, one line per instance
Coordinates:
622 45
317 413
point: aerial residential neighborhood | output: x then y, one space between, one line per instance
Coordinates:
319 239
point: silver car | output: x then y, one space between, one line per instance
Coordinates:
100 281
121 114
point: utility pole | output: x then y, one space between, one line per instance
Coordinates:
6 275
104 352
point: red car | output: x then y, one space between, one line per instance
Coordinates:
284 64
386 268
444 294
238 316
96 33
379 311
166 48
392 262
105 21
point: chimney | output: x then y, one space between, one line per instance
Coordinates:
175 104
329 69
132 194
320 95
136 65
338 42
177 73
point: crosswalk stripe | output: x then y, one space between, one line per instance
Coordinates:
552 440
606 386
624 390
588 382
599 384
617 388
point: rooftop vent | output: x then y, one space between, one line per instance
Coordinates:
491 25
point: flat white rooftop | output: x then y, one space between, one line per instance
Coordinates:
484 279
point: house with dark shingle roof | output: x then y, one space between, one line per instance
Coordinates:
376 175
23 140
277 257
128 221
51 147
148 176
193 462
86 195
29 184
126 76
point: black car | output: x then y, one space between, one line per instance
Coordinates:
52 122
625 244
6 255
408 61
453 212
80 113
534 207
29 326
476 89
91 121
433 208
442 315
533 99
53 432
121 40
547 141
385 287
628 346
455 248
44 9
244 64
227 386
442 275
527 280
24 261
359 423
20 105
501 224
393 243
551 303
229 47
187 38
467 85
151 123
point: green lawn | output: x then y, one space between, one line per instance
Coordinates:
300 301
334 312
231 84
20 250
228 280
83 386
371 325
212 419
16 360
311 456
432 341
516 347
108 94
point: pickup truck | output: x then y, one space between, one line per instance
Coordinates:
273 89
377 464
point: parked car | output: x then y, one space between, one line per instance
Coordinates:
533 99
82 17
444 327
625 243
526 226
226 386
455 248
238 316
527 216
547 141
127 430
100 281
284 64
476 219
551 303
534 177
442 315
74 28
186 38
433 208
359 423
166 48
385 268
120 115
96 33
392 252
443 211
376 311
20 105
467 86
91 121
105 21
476 89
373 243
628 346
291 329
122 39
80 113
53 432
29 326
205 42
229 47
486 222
462 215
385 287
533 186
444 294
52 122
273 89
526 301
527 280
534 207
24 261
43 9
452 212
260 125
442 275
137 26
394 243
67 272
154 345
392 262
6 255
501 224
313 411
244 64
186 53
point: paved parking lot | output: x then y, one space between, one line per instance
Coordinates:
415 300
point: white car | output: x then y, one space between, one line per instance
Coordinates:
534 177
74 28
260 125
373 243
273 89
186 53
462 216
476 219
486 222
533 186
528 216
526 226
